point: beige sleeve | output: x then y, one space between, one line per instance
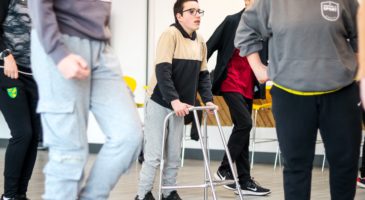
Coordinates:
165 47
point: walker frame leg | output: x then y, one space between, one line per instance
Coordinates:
208 180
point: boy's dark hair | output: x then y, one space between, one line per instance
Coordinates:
179 6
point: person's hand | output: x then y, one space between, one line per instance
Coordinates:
260 72
181 109
211 104
73 67
362 92
10 67
259 69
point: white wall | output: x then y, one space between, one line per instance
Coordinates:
129 29
128 24
129 40
4 129
129 21
161 16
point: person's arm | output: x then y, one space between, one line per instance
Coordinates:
361 35
4 4
44 19
45 24
205 85
361 39
215 41
10 66
164 55
350 24
252 30
258 68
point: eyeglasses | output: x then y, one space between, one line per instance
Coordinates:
193 11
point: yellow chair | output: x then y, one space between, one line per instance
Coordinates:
132 85
256 107
131 82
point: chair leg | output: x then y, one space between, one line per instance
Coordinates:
281 167
277 157
324 161
183 144
253 138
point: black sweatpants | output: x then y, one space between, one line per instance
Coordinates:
240 109
338 117
18 99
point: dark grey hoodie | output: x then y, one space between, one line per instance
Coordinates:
312 43
82 18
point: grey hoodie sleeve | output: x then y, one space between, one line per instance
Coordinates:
253 28
45 23
350 24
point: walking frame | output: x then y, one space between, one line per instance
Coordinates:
208 180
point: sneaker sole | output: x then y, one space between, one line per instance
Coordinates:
361 185
252 193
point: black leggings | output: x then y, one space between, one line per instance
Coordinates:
338 117
18 99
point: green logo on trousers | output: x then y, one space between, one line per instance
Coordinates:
12 92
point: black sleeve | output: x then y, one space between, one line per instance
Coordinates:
165 83
253 27
4 5
264 53
215 41
205 87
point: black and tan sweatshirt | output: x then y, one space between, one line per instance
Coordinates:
181 68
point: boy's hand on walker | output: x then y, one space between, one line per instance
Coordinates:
211 104
181 109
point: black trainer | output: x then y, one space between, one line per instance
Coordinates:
251 187
148 196
223 174
172 196
13 198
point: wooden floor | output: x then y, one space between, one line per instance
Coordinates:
192 171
